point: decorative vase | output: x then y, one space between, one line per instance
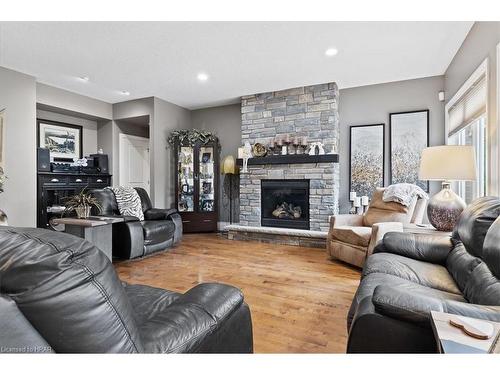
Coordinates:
83 212
3 218
444 209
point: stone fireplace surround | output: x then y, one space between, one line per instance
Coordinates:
310 111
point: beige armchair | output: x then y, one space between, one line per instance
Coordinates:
352 238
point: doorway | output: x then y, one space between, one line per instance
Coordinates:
134 162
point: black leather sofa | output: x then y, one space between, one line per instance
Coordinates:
59 293
160 229
410 275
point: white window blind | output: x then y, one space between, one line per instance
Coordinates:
469 107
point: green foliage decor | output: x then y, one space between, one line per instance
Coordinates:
81 199
191 137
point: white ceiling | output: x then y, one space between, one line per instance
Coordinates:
163 59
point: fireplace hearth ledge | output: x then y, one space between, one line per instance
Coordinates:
285 236
272 230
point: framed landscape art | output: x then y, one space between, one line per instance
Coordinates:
409 135
64 141
366 164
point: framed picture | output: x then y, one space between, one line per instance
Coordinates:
366 164
207 187
207 205
409 135
205 158
64 141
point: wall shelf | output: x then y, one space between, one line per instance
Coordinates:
291 159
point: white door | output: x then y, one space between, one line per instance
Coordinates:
134 161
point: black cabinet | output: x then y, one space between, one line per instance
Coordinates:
52 188
197 186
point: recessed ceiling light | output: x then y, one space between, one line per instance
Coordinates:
84 78
202 77
331 51
124 92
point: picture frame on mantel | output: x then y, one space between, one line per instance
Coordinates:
409 135
366 158
63 140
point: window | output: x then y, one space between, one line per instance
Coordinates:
473 134
466 124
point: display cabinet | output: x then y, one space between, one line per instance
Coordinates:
197 186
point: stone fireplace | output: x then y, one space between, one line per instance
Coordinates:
310 111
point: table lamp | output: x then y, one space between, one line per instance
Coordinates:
229 167
447 163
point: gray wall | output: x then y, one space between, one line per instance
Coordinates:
372 105
66 100
167 117
225 121
105 141
481 43
18 98
132 129
133 108
89 128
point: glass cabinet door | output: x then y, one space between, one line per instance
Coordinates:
185 170
206 179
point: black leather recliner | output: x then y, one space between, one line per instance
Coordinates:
160 229
60 293
410 275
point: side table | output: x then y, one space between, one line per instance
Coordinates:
96 229
452 340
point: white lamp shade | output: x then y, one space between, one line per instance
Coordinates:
448 163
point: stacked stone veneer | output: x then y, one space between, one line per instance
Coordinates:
310 111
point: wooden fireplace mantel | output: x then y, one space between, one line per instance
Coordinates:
291 159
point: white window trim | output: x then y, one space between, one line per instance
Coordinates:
481 70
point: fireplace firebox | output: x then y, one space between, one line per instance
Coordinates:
285 203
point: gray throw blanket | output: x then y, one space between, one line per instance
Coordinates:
403 193
128 201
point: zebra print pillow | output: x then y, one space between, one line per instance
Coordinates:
128 201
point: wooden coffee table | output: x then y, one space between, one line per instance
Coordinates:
96 229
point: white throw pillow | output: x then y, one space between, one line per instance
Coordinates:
128 201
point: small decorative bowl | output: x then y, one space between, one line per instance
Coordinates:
259 150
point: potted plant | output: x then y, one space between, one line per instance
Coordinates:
81 203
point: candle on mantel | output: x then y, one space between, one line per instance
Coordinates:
352 196
357 202
287 138
280 141
304 141
240 152
364 200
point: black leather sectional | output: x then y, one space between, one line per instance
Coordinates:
410 275
160 229
60 293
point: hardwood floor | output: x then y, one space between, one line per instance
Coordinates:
298 298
